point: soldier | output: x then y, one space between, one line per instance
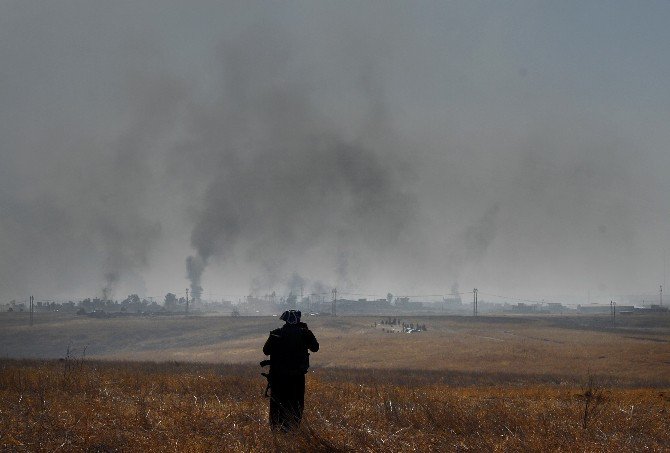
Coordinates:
289 360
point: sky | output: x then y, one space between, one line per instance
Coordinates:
242 147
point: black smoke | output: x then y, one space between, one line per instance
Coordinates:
280 178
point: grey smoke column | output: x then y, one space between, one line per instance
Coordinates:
111 278
194 268
288 198
282 180
264 138
83 218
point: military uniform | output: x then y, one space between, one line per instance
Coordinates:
288 349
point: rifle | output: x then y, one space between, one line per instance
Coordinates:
266 362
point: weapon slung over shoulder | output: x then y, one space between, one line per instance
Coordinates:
263 363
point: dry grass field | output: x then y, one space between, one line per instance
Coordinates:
466 384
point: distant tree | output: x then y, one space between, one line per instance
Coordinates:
144 305
170 301
132 302
389 298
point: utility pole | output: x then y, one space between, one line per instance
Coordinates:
186 300
32 308
660 295
613 311
333 308
474 302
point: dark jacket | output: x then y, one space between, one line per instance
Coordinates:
288 349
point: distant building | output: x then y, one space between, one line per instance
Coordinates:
557 307
594 309
452 302
401 301
522 307
652 309
255 305
362 306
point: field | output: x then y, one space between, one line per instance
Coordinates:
466 384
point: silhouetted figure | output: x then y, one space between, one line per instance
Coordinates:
289 360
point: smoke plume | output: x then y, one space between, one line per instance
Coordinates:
282 180
389 148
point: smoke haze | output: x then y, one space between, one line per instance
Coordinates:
285 180
242 147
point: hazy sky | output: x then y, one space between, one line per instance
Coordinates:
519 147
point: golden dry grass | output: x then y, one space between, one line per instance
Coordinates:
467 384
74 405
549 349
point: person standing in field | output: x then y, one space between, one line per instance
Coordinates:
288 348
